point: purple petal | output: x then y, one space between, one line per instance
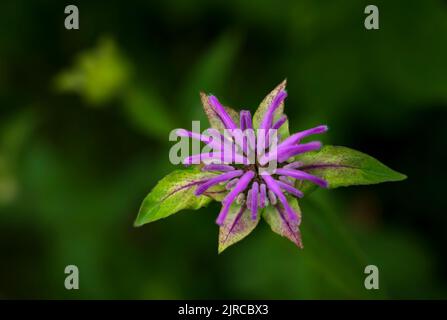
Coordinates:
221 112
246 116
272 197
217 167
262 196
293 165
280 122
213 181
268 140
236 138
226 203
216 157
296 138
247 127
254 200
245 120
286 180
301 175
190 134
287 187
211 141
273 186
268 117
242 120
286 152
249 199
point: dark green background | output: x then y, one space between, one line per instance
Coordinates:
84 123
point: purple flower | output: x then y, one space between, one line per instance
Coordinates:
250 180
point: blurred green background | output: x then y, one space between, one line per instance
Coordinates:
84 123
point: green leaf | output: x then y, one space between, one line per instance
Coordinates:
148 112
260 112
173 193
213 118
341 167
15 131
98 74
283 131
236 227
211 72
280 223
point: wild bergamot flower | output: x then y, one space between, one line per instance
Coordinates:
255 168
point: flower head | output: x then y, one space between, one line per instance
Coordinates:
250 183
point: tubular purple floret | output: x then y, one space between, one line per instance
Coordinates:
276 102
249 199
274 187
296 138
286 180
245 121
284 153
212 142
247 118
262 195
287 152
272 197
242 120
228 200
218 167
216 157
213 181
190 134
301 175
292 190
221 112
293 165
254 200
280 122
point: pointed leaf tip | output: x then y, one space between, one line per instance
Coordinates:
236 227
213 118
263 106
281 224
341 167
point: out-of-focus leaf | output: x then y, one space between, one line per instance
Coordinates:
97 75
236 227
8 181
13 135
210 73
341 167
148 112
280 223
173 193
